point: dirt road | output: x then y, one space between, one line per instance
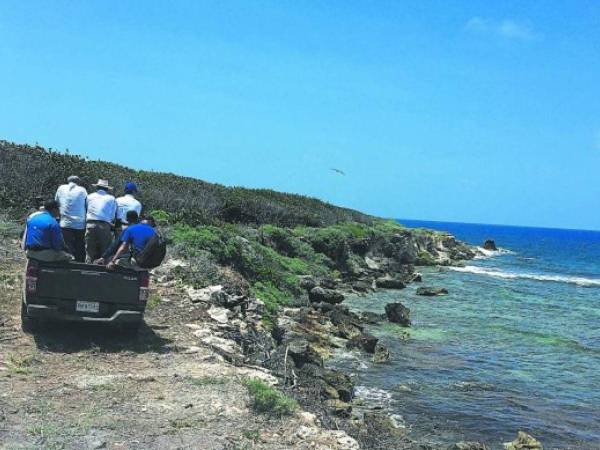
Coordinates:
80 387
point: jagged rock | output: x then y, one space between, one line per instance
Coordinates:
361 286
307 282
348 324
371 264
490 244
340 382
389 282
328 283
398 313
468 446
381 422
218 314
431 291
524 441
225 347
382 354
363 341
222 298
371 317
302 353
417 278
339 407
202 295
320 294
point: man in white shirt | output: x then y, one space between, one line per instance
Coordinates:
72 200
127 203
101 211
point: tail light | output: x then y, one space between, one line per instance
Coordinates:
31 277
144 284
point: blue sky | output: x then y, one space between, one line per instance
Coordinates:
460 111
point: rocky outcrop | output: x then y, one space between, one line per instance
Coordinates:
371 317
364 341
428 291
523 441
398 313
490 244
468 446
382 354
390 282
320 294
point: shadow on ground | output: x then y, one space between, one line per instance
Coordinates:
78 337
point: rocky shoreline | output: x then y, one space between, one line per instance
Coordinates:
307 331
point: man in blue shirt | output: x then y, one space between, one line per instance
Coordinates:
43 236
132 241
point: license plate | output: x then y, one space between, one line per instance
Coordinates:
90 307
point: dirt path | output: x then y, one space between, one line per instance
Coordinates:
79 387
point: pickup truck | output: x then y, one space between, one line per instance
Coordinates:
83 292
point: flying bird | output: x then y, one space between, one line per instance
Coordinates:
341 172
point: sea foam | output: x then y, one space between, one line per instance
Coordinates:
579 281
484 253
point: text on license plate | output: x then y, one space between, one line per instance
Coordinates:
92 307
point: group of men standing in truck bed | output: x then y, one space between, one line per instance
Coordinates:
95 228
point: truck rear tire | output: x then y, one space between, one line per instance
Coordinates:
28 324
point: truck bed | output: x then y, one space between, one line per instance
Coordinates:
88 282
84 292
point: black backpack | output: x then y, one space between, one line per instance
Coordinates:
153 253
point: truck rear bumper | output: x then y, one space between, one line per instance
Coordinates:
52 312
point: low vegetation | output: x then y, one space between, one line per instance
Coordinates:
184 199
268 400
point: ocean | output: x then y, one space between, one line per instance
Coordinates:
514 346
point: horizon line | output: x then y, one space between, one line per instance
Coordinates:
537 227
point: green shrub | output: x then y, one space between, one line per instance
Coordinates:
425 259
272 297
268 400
161 217
214 240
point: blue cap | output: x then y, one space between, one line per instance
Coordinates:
130 187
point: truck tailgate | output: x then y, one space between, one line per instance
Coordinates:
89 283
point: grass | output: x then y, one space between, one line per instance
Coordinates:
266 399
153 301
19 365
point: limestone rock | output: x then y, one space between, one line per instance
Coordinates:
468 446
202 295
398 313
382 354
379 421
220 315
389 282
371 317
339 407
524 441
320 294
490 244
431 291
364 341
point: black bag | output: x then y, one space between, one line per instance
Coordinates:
153 253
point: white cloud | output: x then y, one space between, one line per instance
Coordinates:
506 28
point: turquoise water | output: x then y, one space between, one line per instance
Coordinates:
514 346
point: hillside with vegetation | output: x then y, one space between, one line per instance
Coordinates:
28 173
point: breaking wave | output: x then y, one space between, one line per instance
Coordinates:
483 253
579 281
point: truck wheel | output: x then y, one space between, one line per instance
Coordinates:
28 324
